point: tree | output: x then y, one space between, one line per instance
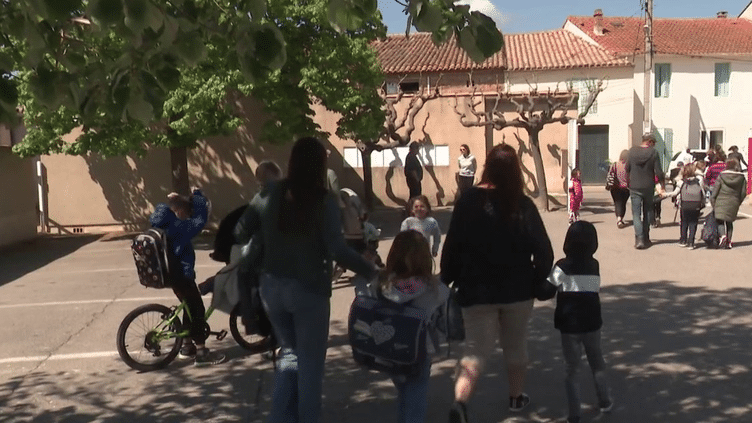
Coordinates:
123 56
396 129
134 73
535 109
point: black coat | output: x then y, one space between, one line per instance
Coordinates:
490 259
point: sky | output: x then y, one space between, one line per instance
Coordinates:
514 17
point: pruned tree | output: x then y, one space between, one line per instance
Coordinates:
535 109
398 128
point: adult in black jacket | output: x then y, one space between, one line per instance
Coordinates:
495 250
644 169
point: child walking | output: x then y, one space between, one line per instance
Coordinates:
420 220
408 277
690 196
575 196
578 314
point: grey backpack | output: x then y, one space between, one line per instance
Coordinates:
692 197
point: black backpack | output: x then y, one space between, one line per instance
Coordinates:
692 197
151 253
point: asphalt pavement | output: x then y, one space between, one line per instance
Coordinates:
676 337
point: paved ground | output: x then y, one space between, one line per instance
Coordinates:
676 337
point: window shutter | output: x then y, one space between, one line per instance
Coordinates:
722 76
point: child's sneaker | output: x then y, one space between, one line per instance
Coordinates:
723 242
206 358
606 406
458 413
188 350
519 403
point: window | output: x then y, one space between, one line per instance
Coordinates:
585 88
430 155
710 138
662 79
392 88
722 76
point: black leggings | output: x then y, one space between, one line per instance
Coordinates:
728 225
620 197
186 290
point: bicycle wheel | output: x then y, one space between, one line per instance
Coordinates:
252 342
145 341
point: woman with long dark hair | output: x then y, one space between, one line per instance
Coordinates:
301 233
495 250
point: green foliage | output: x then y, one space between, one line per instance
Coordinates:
133 73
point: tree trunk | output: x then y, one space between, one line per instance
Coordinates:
179 164
367 178
540 174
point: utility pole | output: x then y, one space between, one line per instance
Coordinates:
647 93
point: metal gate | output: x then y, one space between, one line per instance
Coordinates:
593 153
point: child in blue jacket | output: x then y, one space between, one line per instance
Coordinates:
182 219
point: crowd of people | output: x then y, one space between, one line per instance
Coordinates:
497 258
715 182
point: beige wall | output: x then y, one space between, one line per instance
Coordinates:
18 212
92 193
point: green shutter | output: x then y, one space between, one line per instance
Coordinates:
722 76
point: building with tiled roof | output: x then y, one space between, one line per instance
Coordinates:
701 78
688 37
549 50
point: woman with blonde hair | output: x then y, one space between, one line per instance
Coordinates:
495 251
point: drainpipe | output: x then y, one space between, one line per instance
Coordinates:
42 194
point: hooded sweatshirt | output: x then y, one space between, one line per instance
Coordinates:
577 277
643 166
729 191
181 232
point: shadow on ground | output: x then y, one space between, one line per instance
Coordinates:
675 354
25 257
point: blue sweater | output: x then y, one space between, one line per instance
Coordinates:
181 232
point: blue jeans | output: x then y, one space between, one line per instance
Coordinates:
642 211
300 320
572 344
412 395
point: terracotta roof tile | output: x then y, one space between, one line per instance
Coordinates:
625 36
558 49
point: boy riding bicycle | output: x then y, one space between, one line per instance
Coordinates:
182 219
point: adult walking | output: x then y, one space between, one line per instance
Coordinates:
729 191
620 189
643 167
496 248
301 231
413 170
467 166
735 154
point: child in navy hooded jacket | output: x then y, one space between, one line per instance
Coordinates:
578 314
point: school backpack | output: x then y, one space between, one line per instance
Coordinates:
692 197
386 336
151 253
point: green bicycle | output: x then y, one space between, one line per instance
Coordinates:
149 337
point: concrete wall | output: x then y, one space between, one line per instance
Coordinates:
18 211
93 194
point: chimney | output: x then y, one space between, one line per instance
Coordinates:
722 14
598 28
